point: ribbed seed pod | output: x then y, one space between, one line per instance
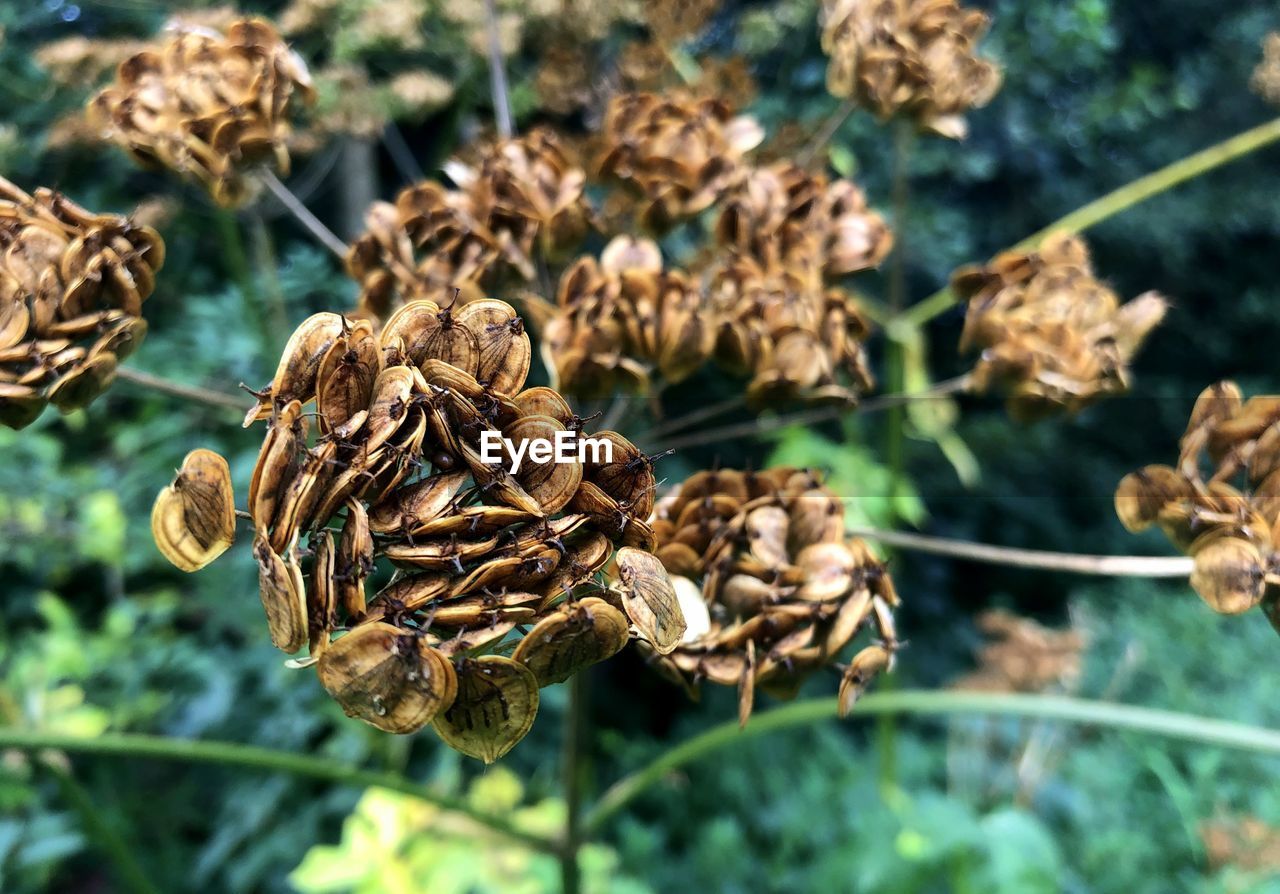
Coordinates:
677 152
522 195
770 587
207 105
72 285
1052 336
1221 503
916 58
406 476
620 321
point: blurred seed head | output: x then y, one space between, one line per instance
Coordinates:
1266 77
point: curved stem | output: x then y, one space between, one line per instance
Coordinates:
1043 560
233 754
219 399
828 130
1152 721
498 75
1123 199
285 197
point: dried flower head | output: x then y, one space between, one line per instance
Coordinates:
1266 77
916 58
1221 503
678 152
770 587
390 473
207 105
72 285
622 319
523 194
1051 334
1023 655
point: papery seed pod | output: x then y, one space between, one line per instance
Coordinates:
914 57
387 677
72 284
1141 495
1022 655
193 520
496 703
284 597
580 634
649 599
1229 575
207 105
865 667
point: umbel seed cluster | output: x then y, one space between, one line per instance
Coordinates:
72 284
483 584
1221 503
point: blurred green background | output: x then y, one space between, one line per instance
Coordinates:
100 634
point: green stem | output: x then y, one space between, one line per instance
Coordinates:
1122 199
1152 721
572 769
129 872
233 754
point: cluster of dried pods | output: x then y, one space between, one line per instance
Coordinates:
1023 655
72 285
770 586
494 590
523 196
1221 503
1051 334
207 105
916 58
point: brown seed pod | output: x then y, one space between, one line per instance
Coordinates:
649 599
387 677
865 667
571 639
193 520
496 703
284 597
503 349
322 595
1229 575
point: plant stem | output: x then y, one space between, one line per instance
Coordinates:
701 414
498 76
218 399
828 130
129 873
234 754
806 417
1152 721
1122 199
264 258
575 720
294 205
1074 563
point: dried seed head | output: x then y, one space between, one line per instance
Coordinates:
193 520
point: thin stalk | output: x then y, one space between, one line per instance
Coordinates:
806 417
701 414
212 398
401 154
895 432
233 754
294 205
264 259
1122 199
1041 560
828 130
572 770
498 76
1109 715
128 871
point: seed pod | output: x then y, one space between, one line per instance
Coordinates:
504 351
407 509
551 484
650 599
278 463
1229 575
193 520
1142 494
865 667
322 595
496 703
284 597
572 638
354 560
295 377
344 382
389 678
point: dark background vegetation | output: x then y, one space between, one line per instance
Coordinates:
100 634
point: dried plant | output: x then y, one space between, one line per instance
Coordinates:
207 105
492 595
1244 842
1022 655
1052 335
770 586
72 284
1221 503
1266 77
916 58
